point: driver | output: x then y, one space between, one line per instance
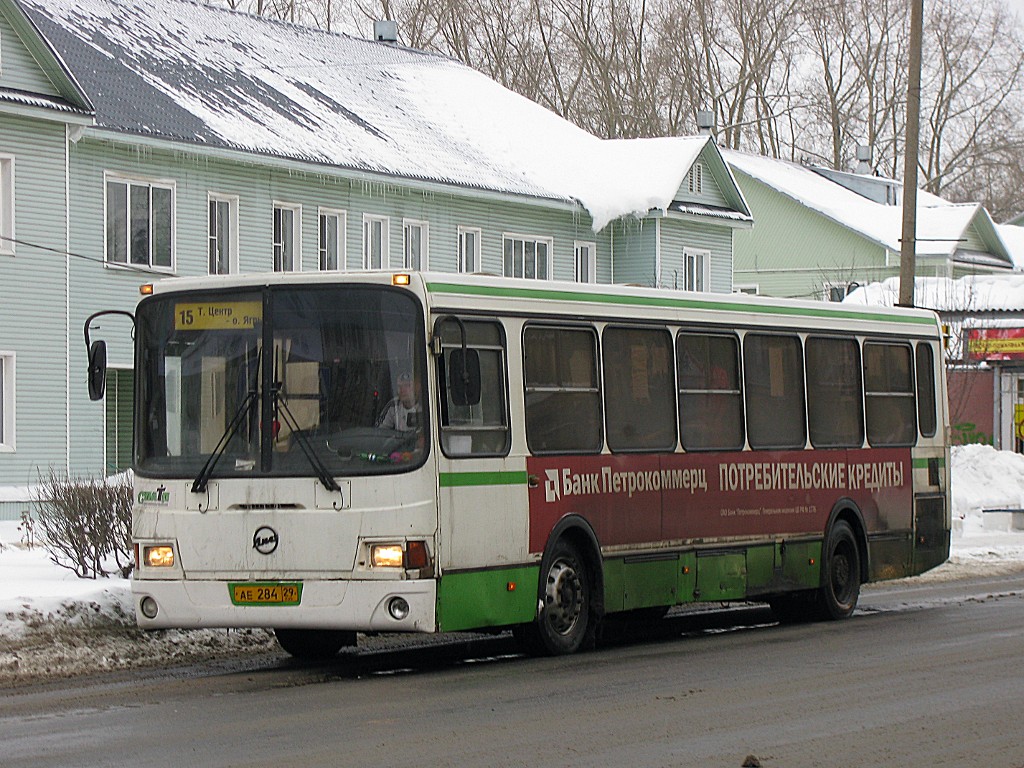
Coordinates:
403 412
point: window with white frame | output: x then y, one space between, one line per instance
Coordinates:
526 257
375 242
415 244
287 239
696 270
469 249
6 401
586 262
695 179
7 205
332 239
223 234
140 222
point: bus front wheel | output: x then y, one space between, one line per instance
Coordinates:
564 621
841 576
314 644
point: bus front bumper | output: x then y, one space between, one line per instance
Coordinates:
367 606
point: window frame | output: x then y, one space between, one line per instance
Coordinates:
814 339
8 246
424 227
369 219
215 198
130 181
513 238
444 426
695 179
670 394
701 257
933 395
755 435
462 257
341 235
735 394
560 388
8 401
295 209
883 442
585 251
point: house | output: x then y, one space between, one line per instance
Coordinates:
820 232
155 138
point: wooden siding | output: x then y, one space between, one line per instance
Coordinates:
784 253
32 315
634 257
711 187
677 235
18 68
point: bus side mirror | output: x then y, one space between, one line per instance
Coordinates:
464 376
97 369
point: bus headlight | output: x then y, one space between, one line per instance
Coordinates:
386 555
160 556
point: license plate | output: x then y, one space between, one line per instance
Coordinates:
270 593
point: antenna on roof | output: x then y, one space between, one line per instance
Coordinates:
385 31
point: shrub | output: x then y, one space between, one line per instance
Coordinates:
86 524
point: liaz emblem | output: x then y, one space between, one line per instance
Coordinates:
264 540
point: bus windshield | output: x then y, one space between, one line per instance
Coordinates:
288 381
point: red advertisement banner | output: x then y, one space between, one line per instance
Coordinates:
634 499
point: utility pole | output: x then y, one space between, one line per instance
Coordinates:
908 242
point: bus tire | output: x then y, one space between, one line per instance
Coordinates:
840 573
564 622
314 644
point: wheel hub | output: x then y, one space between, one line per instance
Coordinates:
563 597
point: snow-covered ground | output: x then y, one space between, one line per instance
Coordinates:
53 624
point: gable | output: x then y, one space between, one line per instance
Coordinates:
709 182
19 69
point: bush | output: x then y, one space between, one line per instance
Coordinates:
86 524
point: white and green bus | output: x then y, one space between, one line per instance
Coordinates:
328 454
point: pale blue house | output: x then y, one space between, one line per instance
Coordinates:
147 139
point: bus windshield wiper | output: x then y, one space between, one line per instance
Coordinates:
199 484
303 440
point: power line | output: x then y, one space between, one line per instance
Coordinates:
60 252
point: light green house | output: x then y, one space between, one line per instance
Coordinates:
155 138
820 232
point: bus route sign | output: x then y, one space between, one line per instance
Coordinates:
217 315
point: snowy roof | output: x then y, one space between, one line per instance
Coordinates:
941 225
205 75
971 294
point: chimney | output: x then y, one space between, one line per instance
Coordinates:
385 31
863 160
705 122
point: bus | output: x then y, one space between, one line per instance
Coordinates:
332 454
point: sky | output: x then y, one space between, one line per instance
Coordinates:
33 591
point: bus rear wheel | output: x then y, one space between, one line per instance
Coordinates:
314 644
841 576
564 623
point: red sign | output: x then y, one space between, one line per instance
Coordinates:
995 343
638 499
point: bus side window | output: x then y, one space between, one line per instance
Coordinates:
563 397
710 401
926 390
889 394
835 408
479 428
638 397
774 386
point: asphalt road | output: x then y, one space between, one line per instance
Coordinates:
923 675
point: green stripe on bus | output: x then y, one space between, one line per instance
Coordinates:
492 598
923 463
669 303
463 479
